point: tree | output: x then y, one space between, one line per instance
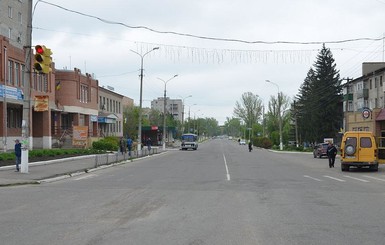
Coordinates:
249 109
277 107
319 100
131 121
232 127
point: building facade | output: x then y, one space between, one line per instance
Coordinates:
110 117
15 70
173 107
364 102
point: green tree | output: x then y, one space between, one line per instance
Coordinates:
277 110
249 108
319 100
232 127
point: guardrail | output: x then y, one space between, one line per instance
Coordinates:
109 158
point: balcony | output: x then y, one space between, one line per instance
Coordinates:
364 93
348 97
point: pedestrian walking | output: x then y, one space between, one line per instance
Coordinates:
129 145
149 143
122 145
250 146
331 152
18 154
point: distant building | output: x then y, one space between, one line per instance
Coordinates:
173 107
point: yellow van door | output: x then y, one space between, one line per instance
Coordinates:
366 149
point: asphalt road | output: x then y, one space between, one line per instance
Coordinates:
219 194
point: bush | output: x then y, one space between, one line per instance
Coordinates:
263 142
7 156
106 144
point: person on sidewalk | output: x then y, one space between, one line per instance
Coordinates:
149 143
129 145
331 152
18 154
122 145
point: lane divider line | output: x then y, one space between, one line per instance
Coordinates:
340 180
307 176
367 176
227 168
347 176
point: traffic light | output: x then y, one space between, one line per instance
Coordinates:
43 59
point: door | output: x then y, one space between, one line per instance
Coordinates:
366 149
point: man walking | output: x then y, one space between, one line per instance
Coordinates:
18 154
129 145
331 152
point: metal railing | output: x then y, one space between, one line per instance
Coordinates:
110 158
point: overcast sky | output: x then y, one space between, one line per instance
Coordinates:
223 54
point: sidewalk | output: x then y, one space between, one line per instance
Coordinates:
48 171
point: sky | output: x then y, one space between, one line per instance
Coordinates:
219 49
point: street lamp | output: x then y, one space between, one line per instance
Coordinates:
189 118
183 110
164 111
140 98
279 115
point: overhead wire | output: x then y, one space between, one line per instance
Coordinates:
212 38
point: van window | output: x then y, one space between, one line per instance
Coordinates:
365 142
351 141
189 137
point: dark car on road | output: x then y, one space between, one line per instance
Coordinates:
320 150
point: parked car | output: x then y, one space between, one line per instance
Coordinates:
320 150
242 142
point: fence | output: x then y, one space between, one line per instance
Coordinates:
109 158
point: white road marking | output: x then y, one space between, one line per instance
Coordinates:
367 176
88 176
227 169
347 176
340 180
307 176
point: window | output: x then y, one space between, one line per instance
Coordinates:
83 93
10 12
14 117
350 106
17 74
370 83
20 18
365 142
10 72
40 83
22 75
9 32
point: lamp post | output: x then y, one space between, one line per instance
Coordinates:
279 115
195 122
164 110
183 110
189 118
140 98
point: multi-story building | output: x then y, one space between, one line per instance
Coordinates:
15 70
111 112
173 107
76 104
43 109
364 102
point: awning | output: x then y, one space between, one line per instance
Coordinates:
381 115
